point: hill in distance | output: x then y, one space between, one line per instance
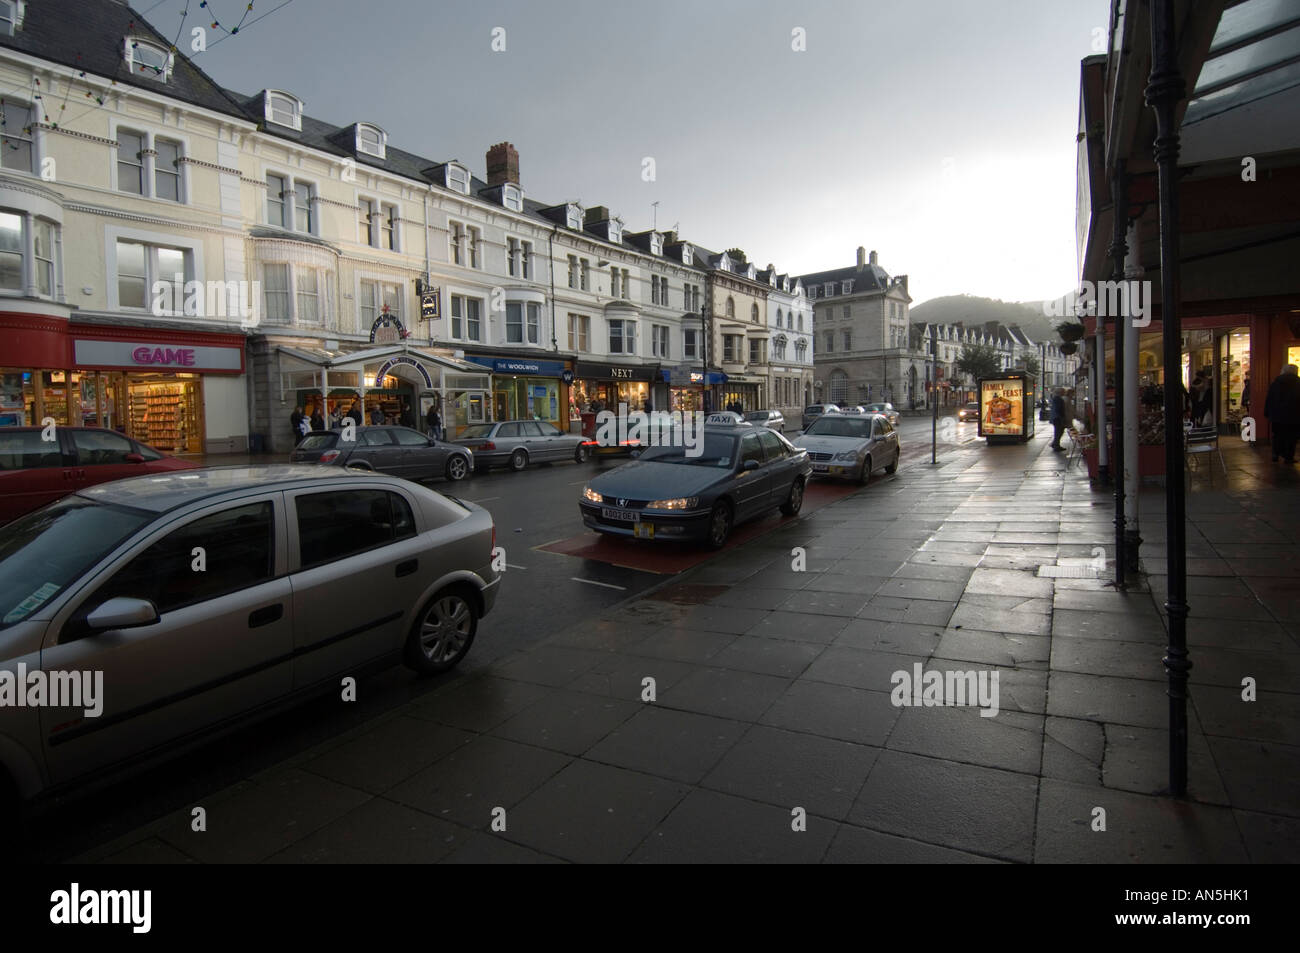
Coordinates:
972 310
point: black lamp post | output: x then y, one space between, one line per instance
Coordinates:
1164 91
704 357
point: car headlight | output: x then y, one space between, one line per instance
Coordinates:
846 455
681 503
591 495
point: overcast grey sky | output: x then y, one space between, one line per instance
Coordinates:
940 133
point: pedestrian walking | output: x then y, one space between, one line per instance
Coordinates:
434 420
295 419
317 418
1058 418
376 416
1282 408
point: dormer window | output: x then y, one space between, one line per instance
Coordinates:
656 244
615 231
283 110
828 290
750 272
512 198
573 216
457 178
147 58
371 140
687 254
11 16
724 263
848 286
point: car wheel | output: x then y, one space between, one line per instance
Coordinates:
457 468
893 467
794 502
443 632
518 460
580 453
361 466
866 471
720 525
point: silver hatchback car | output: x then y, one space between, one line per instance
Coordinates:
139 615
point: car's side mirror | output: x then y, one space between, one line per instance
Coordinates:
134 458
122 612
750 465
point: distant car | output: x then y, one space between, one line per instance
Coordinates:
887 409
35 471
741 472
851 446
310 574
771 419
856 411
397 451
969 411
517 443
816 410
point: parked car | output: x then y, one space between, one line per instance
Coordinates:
398 451
517 443
816 410
310 574
852 447
857 410
35 471
741 472
772 419
888 409
969 411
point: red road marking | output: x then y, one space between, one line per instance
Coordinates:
667 557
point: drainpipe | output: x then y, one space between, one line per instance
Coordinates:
428 267
550 266
1165 89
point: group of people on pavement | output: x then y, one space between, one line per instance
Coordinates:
304 422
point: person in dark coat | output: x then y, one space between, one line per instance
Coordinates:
1058 418
407 417
355 413
1282 408
434 420
295 419
376 416
317 419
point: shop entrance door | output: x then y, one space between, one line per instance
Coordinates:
501 405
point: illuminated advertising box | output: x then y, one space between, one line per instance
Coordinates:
1006 407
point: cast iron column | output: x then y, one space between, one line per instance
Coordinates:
1118 249
1164 91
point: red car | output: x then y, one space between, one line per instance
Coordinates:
34 471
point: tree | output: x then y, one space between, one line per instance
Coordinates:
1031 365
979 360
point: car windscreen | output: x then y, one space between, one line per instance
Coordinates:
859 427
43 553
318 441
757 415
715 450
476 432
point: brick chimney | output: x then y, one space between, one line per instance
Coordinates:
873 258
502 164
862 258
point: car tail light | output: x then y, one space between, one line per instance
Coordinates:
329 456
488 445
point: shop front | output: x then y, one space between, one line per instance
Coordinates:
526 389
746 391
178 391
608 384
690 389
390 385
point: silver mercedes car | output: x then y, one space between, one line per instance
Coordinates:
139 615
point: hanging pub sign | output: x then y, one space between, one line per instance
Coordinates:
387 329
430 306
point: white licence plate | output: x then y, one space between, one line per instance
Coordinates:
609 513
820 468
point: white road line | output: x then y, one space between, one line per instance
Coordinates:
485 499
592 582
513 566
579 483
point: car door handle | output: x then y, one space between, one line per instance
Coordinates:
407 567
265 616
